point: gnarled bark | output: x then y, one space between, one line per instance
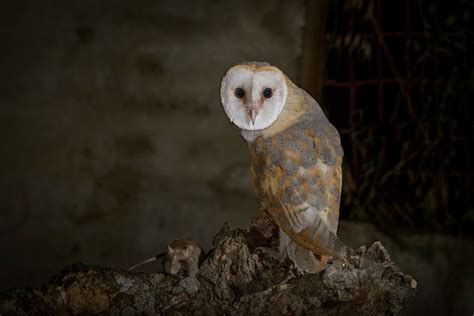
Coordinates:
240 275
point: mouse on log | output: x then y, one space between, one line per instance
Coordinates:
182 256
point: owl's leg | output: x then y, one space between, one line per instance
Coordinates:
305 260
284 243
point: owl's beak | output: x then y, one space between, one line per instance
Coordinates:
253 110
253 116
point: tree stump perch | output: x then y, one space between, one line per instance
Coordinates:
239 275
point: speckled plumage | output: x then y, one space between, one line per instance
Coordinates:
296 170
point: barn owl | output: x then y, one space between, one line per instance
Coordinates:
296 159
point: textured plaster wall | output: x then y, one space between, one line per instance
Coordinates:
113 141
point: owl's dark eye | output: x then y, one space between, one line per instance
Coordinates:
239 93
267 93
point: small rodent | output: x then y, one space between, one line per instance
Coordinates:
181 253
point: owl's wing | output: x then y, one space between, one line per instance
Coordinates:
309 227
307 204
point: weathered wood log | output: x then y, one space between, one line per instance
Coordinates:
240 275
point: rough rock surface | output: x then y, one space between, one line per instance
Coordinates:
240 275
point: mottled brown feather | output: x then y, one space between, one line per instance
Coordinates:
277 156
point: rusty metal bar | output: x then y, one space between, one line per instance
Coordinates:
393 34
358 83
355 162
380 82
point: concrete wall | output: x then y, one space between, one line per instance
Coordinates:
113 141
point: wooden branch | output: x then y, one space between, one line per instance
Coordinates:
240 275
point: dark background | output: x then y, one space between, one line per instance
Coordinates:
114 143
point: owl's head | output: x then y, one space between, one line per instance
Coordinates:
253 95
